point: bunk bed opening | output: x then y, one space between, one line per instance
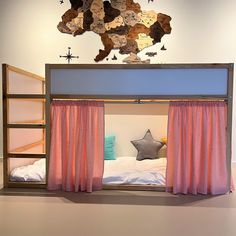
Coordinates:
124 123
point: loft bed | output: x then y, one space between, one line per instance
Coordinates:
114 84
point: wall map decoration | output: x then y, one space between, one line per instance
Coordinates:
121 25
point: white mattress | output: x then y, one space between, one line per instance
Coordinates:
35 172
127 170
124 170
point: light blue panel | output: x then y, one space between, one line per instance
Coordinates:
139 81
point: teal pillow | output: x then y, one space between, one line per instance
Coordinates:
110 148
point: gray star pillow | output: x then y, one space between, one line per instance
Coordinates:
147 147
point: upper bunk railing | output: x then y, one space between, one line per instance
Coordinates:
166 81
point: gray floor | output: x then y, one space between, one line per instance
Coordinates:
115 213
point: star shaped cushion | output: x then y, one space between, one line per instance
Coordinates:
147 147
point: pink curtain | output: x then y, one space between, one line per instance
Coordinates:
196 149
77 146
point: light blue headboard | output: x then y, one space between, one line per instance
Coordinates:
139 81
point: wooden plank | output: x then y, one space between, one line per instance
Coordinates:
138 66
40 185
29 122
135 100
25 155
5 133
26 73
43 118
26 126
27 147
43 87
26 96
30 99
160 188
229 123
138 97
48 117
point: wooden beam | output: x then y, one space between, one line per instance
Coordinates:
229 124
135 98
48 117
40 185
26 73
132 187
25 155
40 100
26 96
29 122
5 133
26 126
139 66
27 147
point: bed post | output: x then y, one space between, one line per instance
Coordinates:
5 142
47 116
229 122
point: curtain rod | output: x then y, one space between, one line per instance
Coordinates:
137 101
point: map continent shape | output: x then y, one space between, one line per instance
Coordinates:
121 24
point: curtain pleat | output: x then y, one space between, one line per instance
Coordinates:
196 150
77 146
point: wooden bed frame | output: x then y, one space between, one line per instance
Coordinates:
48 96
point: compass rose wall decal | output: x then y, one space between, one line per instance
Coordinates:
69 56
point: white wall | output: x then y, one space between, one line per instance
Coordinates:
131 121
203 31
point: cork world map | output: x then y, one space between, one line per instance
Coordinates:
120 24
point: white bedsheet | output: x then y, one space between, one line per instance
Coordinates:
34 172
126 170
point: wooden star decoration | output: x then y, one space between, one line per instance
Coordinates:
69 56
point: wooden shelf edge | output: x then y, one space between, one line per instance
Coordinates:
128 187
26 126
26 155
26 185
26 96
28 122
134 98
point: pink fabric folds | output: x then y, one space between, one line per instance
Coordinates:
77 146
196 149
